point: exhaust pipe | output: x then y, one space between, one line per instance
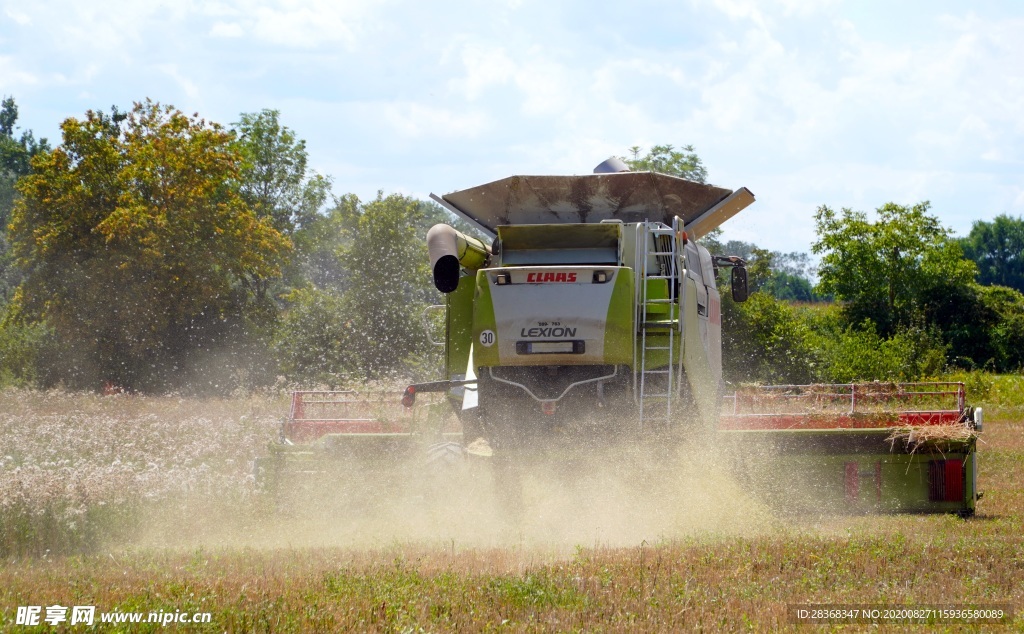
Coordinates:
451 250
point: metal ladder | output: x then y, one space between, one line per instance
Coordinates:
655 405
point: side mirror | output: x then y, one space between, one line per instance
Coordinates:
739 284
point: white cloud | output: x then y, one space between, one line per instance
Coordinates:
544 85
226 29
13 76
19 17
484 67
805 8
188 86
311 23
1018 200
415 120
115 24
219 9
763 13
741 10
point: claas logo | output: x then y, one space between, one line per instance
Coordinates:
550 277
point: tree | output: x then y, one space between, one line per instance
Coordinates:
887 270
388 283
765 340
276 185
782 275
667 160
844 353
137 249
314 341
370 281
273 174
789 287
997 248
15 155
983 326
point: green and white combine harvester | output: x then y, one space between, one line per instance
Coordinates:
593 311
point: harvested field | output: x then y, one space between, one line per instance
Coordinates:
149 504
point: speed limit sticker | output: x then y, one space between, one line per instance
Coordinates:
487 338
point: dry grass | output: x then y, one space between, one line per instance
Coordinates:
877 400
941 437
691 579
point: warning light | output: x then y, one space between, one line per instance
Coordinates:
409 397
502 278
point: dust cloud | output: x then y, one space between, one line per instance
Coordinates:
559 493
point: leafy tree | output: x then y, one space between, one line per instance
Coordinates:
666 159
760 264
886 270
273 175
320 241
330 234
766 340
781 275
845 353
26 349
370 282
984 326
1008 341
15 155
1007 329
277 185
388 286
860 354
138 250
788 276
789 287
997 248
314 341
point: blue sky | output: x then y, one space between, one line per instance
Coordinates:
849 104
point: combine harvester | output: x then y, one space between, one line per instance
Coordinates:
593 311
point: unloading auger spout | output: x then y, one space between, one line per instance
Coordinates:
451 250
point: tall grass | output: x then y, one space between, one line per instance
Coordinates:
77 469
1002 395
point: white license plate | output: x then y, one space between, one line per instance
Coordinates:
542 347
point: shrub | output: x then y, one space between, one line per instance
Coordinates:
26 350
766 340
851 354
312 342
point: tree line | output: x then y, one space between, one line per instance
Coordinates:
153 250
